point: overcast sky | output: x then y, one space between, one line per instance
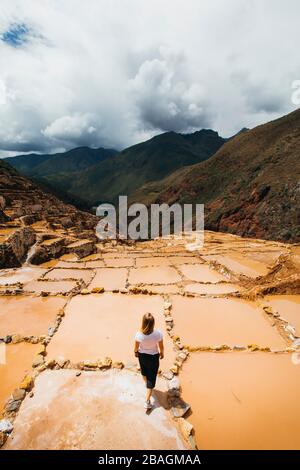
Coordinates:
115 72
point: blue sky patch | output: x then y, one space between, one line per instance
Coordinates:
16 35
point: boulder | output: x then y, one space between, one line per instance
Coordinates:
51 331
38 361
41 351
12 405
6 426
105 363
169 319
117 365
186 428
84 292
90 365
27 383
50 364
168 375
179 408
97 290
16 339
19 394
174 369
174 387
3 438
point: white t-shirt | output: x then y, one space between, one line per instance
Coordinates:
149 343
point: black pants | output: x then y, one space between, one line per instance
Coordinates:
149 364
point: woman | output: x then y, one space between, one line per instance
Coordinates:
149 347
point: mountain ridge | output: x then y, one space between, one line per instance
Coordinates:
250 187
123 172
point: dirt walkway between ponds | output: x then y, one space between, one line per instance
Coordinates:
93 411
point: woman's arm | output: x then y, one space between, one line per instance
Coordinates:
136 348
161 348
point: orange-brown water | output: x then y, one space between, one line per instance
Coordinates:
23 275
243 400
28 316
57 274
109 278
94 264
102 325
119 262
154 275
69 264
212 289
19 358
288 306
215 321
241 264
201 273
53 287
166 261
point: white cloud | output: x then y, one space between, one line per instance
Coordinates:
115 72
166 96
77 128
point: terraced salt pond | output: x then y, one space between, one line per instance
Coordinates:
119 262
201 273
288 306
109 278
51 287
166 261
154 275
60 274
22 275
19 358
241 264
212 289
243 401
238 399
217 321
100 325
28 316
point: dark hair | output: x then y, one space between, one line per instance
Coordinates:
148 324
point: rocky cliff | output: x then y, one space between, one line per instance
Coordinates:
28 214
